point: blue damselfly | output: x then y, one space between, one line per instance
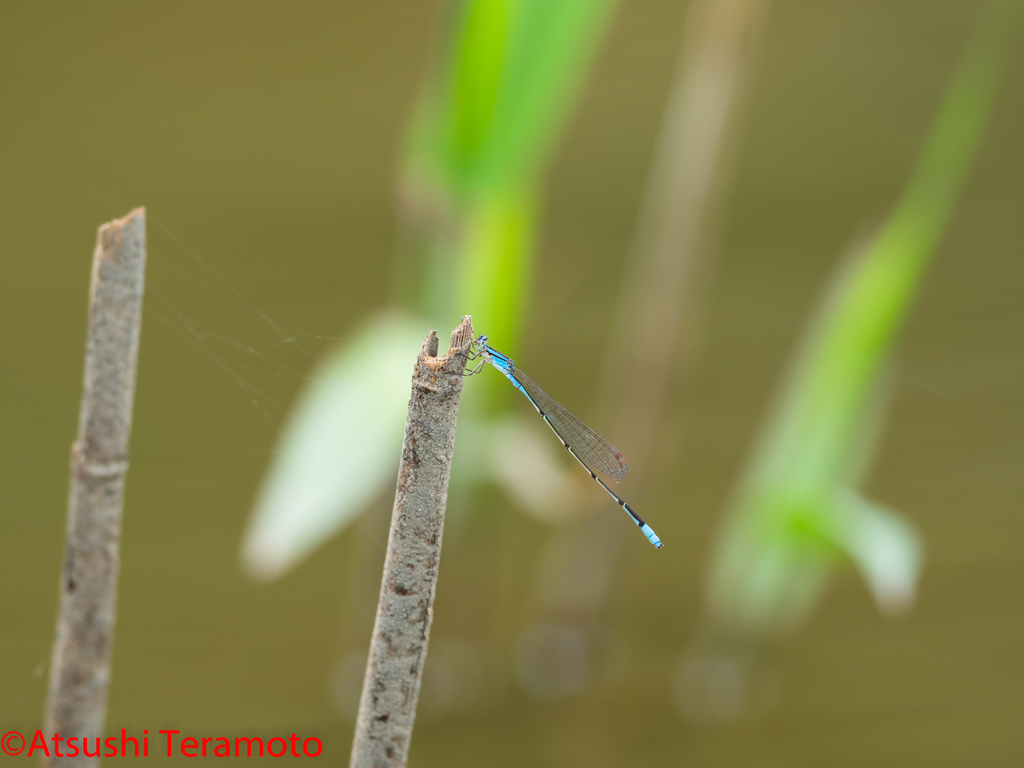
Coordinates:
593 452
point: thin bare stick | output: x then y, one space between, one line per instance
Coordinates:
398 649
80 670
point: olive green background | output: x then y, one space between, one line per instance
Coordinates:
263 137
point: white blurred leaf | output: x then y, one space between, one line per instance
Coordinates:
341 447
526 464
885 548
520 455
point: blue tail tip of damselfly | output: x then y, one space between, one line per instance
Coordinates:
651 535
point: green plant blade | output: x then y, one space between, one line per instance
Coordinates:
793 518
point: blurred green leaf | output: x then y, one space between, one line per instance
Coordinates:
505 87
793 518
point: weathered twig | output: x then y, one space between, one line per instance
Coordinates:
80 669
398 649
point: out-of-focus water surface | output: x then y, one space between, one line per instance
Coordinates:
263 140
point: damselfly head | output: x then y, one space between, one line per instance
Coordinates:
481 340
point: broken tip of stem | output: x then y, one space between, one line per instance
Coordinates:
430 345
462 339
462 336
398 648
110 234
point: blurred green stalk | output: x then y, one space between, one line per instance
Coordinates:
482 133
857 335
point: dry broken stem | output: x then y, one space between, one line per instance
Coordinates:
398 649
80 669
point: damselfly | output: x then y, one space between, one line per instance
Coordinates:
592 451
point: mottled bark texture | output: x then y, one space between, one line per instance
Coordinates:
80 670
398 649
